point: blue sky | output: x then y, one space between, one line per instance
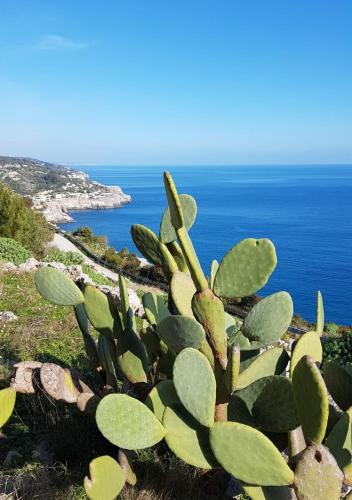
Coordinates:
185 82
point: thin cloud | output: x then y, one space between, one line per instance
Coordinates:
52 42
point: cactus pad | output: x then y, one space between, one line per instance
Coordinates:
187 438
106 479
132 357
311 398
317 475
319 327
102 314
173 199
245 268
213 270
269 492
179 332
161 396
271 362
56 287
7 404
338 380
128 423
270 404
249 455
147 243
195 385
268 320
155 308
189 209
232 368
309 344
339 440
209 311
182 290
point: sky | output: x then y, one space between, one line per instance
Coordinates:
151 82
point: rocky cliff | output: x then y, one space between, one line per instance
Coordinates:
56 189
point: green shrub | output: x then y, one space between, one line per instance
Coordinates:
331 328
339 348
129 262
67 258
12 251
83 232
20 222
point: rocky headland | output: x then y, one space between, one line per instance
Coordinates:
57 189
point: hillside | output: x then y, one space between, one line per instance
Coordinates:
56 189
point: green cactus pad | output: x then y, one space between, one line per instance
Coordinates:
269 492
270 405
189 209
102 314
317 475
309 344
56 287
209 311
245 268
7 404
187 438
195 385
268 320
249 455
108 355
176 251
339 440
179 332
233 368
128 423
271 362
182 290
155 308
311 398
106 479
213 270
147 243
161 396
338 380
132 357
173 199
319 327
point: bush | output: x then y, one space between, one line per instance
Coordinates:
67 258
339 349
331 328
12 251
20 222
84 232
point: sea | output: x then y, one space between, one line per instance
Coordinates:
305 210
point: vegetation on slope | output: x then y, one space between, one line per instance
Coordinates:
20 222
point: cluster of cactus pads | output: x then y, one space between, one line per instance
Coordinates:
218 392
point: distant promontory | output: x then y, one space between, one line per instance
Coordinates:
57 189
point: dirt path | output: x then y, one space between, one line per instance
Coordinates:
64 244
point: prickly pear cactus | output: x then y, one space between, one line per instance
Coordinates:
317 475
7 404
189 210
268 320
147 243
128 423
339 383
249 455
106 479
312 399
245 268
56 287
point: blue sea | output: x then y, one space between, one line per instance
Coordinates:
305 210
